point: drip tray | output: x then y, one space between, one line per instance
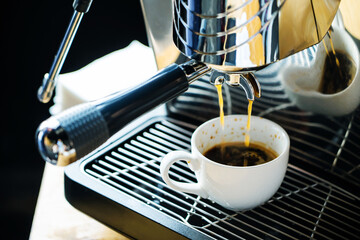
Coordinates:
120 185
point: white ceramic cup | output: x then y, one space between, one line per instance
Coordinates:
233 187
302 84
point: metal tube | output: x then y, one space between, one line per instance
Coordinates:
46 90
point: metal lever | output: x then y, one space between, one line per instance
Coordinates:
45 91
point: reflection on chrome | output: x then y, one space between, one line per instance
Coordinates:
237 35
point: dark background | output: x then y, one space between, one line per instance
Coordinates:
31 32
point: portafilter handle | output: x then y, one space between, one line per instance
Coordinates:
75 132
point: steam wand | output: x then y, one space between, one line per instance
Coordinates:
45 91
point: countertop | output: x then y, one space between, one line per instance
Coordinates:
55 218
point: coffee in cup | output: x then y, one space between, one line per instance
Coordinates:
339 71
238 154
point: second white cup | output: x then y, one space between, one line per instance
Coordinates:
302 84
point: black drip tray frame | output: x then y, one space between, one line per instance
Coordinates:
120 185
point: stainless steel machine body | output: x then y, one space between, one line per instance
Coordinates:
233 35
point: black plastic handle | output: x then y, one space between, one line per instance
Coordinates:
79 130
121 108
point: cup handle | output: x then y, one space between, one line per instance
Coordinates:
194 165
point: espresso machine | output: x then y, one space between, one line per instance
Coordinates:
199 43
232 39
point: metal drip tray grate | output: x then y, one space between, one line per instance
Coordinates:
307 205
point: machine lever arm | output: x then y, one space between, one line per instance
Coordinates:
77 131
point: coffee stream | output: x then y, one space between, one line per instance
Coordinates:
247 134
222 121
335 58
249 154
221 104
339 70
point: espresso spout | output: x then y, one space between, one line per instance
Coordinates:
247 81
